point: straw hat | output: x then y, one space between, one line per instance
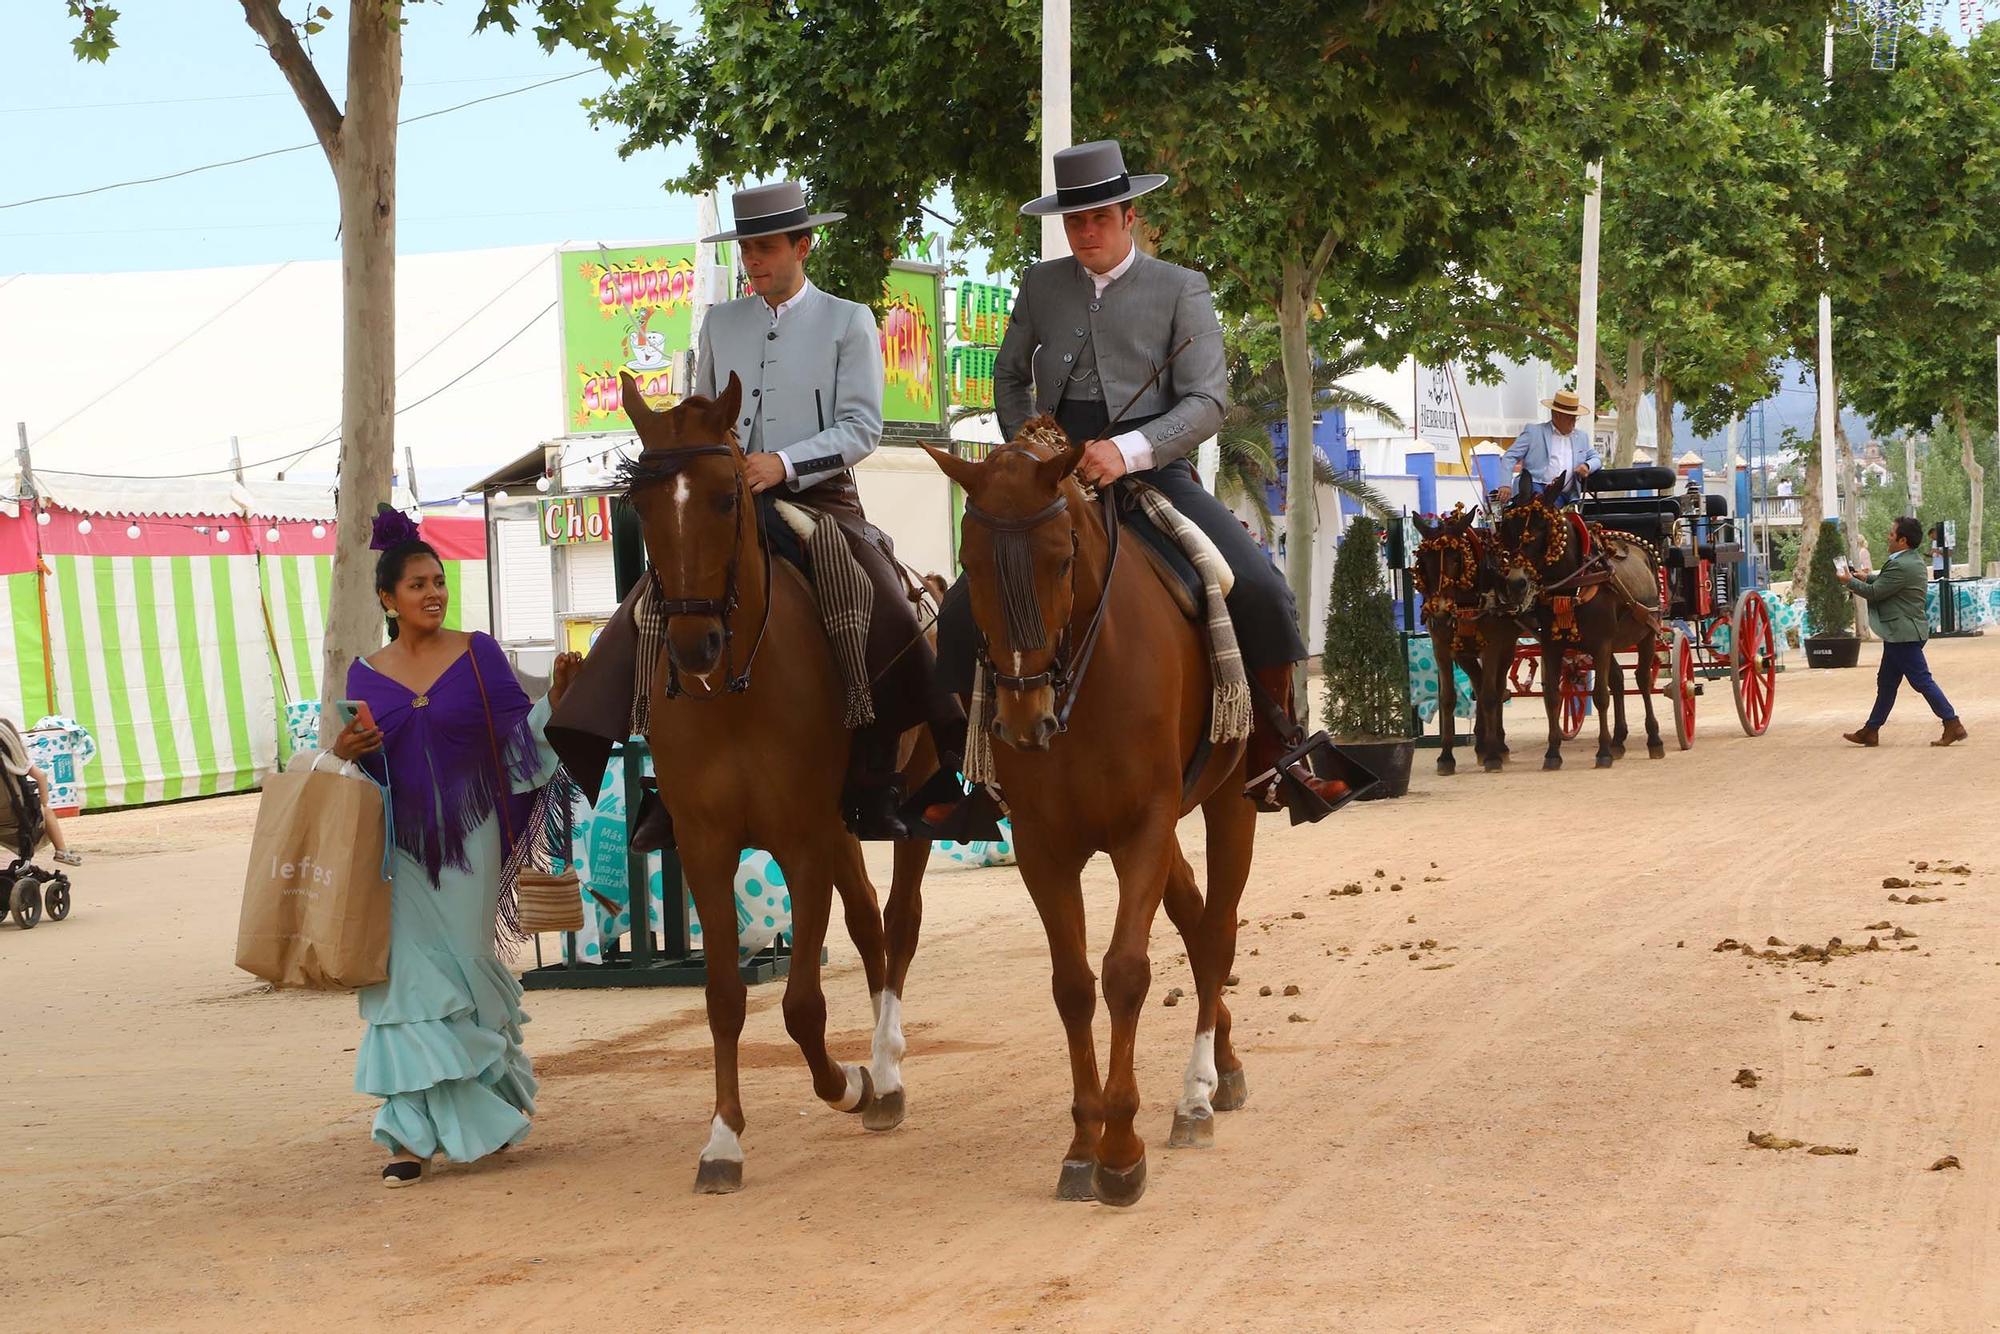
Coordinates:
1565 402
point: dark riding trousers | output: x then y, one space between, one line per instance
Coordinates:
1260 603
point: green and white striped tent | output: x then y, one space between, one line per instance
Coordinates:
176 638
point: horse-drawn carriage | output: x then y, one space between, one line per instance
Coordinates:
1718 626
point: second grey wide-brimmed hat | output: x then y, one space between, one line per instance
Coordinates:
766 210
1090 176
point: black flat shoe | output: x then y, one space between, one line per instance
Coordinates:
402 1174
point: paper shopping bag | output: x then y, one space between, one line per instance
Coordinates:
315 899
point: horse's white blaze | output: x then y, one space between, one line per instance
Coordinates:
887 1064
852 1098
722 1146
682 490
1198 1087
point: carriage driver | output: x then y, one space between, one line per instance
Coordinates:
1087 334
1549 450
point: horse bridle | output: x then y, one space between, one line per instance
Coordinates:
724 607
1066 669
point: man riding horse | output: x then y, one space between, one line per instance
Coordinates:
810 364
1114 330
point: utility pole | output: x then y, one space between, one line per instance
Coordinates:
1586 302
21 458
236 458
410 476
1829 488
1055 114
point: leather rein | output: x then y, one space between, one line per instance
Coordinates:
1071 661
724 607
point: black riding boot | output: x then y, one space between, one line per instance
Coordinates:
874 788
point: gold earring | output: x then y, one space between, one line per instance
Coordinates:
391 613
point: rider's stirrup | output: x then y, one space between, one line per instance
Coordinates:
1316 756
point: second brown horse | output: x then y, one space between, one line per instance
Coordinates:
1101 692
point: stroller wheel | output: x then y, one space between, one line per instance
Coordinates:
55 898
27 903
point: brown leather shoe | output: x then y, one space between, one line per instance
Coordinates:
1953 731
1867 736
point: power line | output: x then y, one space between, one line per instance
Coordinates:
279 152
237 97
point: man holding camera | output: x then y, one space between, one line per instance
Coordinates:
1898 615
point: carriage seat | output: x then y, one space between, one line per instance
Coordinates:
1630 479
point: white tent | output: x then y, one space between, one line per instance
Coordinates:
150 374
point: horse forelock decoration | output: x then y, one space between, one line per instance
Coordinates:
1102 705
758 753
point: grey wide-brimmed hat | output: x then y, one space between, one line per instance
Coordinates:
1090 176
767 210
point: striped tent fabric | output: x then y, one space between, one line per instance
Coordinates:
178 649
162 659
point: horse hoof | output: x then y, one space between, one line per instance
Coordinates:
1552 762
1074 1184
1447 765
1604 761
1192 1130
1656 752
1618 750
1232 1091
1491 766
883 1112
718 1176
1120 1187
867 1094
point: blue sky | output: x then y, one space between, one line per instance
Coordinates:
190 84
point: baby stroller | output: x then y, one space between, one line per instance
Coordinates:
26 890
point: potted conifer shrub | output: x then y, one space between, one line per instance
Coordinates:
1830 638
1367 673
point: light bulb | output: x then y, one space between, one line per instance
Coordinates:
418 517
83 526
500 496
42 518
271 535
132 532
542 482
319 530
465 502
222 534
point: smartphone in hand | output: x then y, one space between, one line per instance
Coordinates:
349 710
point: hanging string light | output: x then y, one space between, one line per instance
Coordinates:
83 527
271 535
132 531
319 530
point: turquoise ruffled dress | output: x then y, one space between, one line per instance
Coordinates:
443 1045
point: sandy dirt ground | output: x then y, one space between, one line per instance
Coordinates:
1504 1099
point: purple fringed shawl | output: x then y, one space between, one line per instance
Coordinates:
440 757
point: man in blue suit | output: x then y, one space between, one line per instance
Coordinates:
1550 450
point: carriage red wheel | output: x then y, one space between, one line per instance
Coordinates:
1680 688
1576 690
1753 663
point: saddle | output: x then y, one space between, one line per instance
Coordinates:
1174 566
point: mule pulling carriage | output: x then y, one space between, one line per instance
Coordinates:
1719 625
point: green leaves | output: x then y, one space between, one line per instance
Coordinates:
94 39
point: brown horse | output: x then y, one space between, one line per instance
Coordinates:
1589 590
1064 626
1458 574
752 754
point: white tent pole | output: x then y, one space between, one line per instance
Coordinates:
1055 114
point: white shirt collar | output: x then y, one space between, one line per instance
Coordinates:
1100 281
777 311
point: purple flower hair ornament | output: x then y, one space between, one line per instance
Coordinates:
392 529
